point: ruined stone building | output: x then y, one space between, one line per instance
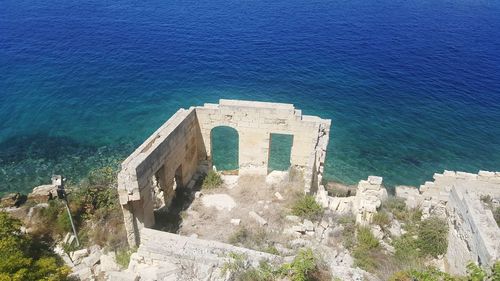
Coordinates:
180 151
173 154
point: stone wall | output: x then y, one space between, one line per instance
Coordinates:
456 196
171 156
369 196
162 254
255 121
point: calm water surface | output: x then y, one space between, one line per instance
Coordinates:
412 87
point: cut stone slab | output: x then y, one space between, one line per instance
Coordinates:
83 274
92 259
279 196
276 177
230 181
76 256
122 276
235 221
108 262
219 201
308 225
258 218
292 218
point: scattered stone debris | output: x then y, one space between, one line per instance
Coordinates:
219 201
258 218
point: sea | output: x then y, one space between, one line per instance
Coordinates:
412 86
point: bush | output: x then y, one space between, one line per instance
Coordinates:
396 206
433 237
24 258
123 256
406 249
237 264
212 180
496 215
366 239
302 266
381 219
307 207
428 274
240 236
349 231
366 249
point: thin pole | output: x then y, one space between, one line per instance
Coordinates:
72 224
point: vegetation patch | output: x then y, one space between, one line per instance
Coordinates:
474 273
304 267
123 256
366 249
433 237
25 258
381 219
212 180
306 207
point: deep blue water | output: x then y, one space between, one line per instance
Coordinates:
412 87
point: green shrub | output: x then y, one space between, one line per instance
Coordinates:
22 257
212 180
475 273
496 215
271 250
123 256
406 249
382 219
103 177
365 249
237 263
396 206
349 231
63 222
307 207
239 237
428 274
302 266
366 239
433 237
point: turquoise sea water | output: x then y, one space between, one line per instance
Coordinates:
412 87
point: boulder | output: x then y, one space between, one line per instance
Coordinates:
83 273
108 262
308 225
92 259
257 218
43 193
121 276
78 255
12 200
279 196
292 218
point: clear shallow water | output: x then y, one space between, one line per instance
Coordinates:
412 87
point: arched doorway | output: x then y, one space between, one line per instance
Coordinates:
225 148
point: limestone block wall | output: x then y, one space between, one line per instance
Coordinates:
188 256
172 152
369 196
255 121
171 156
455 196
473 234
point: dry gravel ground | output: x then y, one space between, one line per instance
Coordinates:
250 193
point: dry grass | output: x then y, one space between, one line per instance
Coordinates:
250 194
